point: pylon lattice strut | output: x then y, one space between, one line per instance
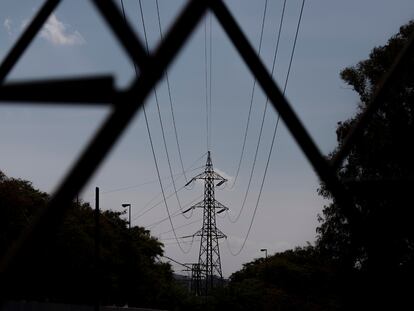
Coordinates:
209 271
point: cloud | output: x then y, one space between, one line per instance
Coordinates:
225 175
59 33
8 25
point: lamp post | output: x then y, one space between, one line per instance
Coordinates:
129 212
264 250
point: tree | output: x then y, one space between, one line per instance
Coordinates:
381 248
63 269
293 280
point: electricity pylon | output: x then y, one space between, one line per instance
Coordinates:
209 264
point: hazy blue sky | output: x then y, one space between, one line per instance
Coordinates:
41 143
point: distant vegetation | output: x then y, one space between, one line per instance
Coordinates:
293 280
64 270
365 263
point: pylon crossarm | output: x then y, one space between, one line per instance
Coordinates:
197 205
189 182
188 209
217 176
199 176
198 233
217 204
187 236
220 235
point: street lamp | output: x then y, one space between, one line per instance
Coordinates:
129 212
264 250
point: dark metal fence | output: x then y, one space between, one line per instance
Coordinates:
100 90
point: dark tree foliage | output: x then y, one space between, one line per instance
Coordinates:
378 246
64 270
293 280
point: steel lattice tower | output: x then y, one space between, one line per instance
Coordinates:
209 263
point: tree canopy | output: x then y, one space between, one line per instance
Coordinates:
380 173
64 269
296 279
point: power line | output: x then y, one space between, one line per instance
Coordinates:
182 226
159 113
170 98
169 196
182 242
158 203
206 86
150 138
173 215
262 123
171 239
251 101
208 55
162 220
273 138
173 260
169 185
149 182
151 226
210 111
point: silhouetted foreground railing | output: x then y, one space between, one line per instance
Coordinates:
100 90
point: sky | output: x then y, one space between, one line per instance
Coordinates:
41 143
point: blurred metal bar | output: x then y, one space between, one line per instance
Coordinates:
175 38
123 32
105 138
280 103
276 97
91 90
29 33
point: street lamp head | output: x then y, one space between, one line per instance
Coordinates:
263 249
126 204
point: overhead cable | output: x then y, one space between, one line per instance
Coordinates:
206 86
142 213
182 226
273 138
159 115
152 145
158 203
148 182
170 97
262 123
151 226
251 101
169 185
210 110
